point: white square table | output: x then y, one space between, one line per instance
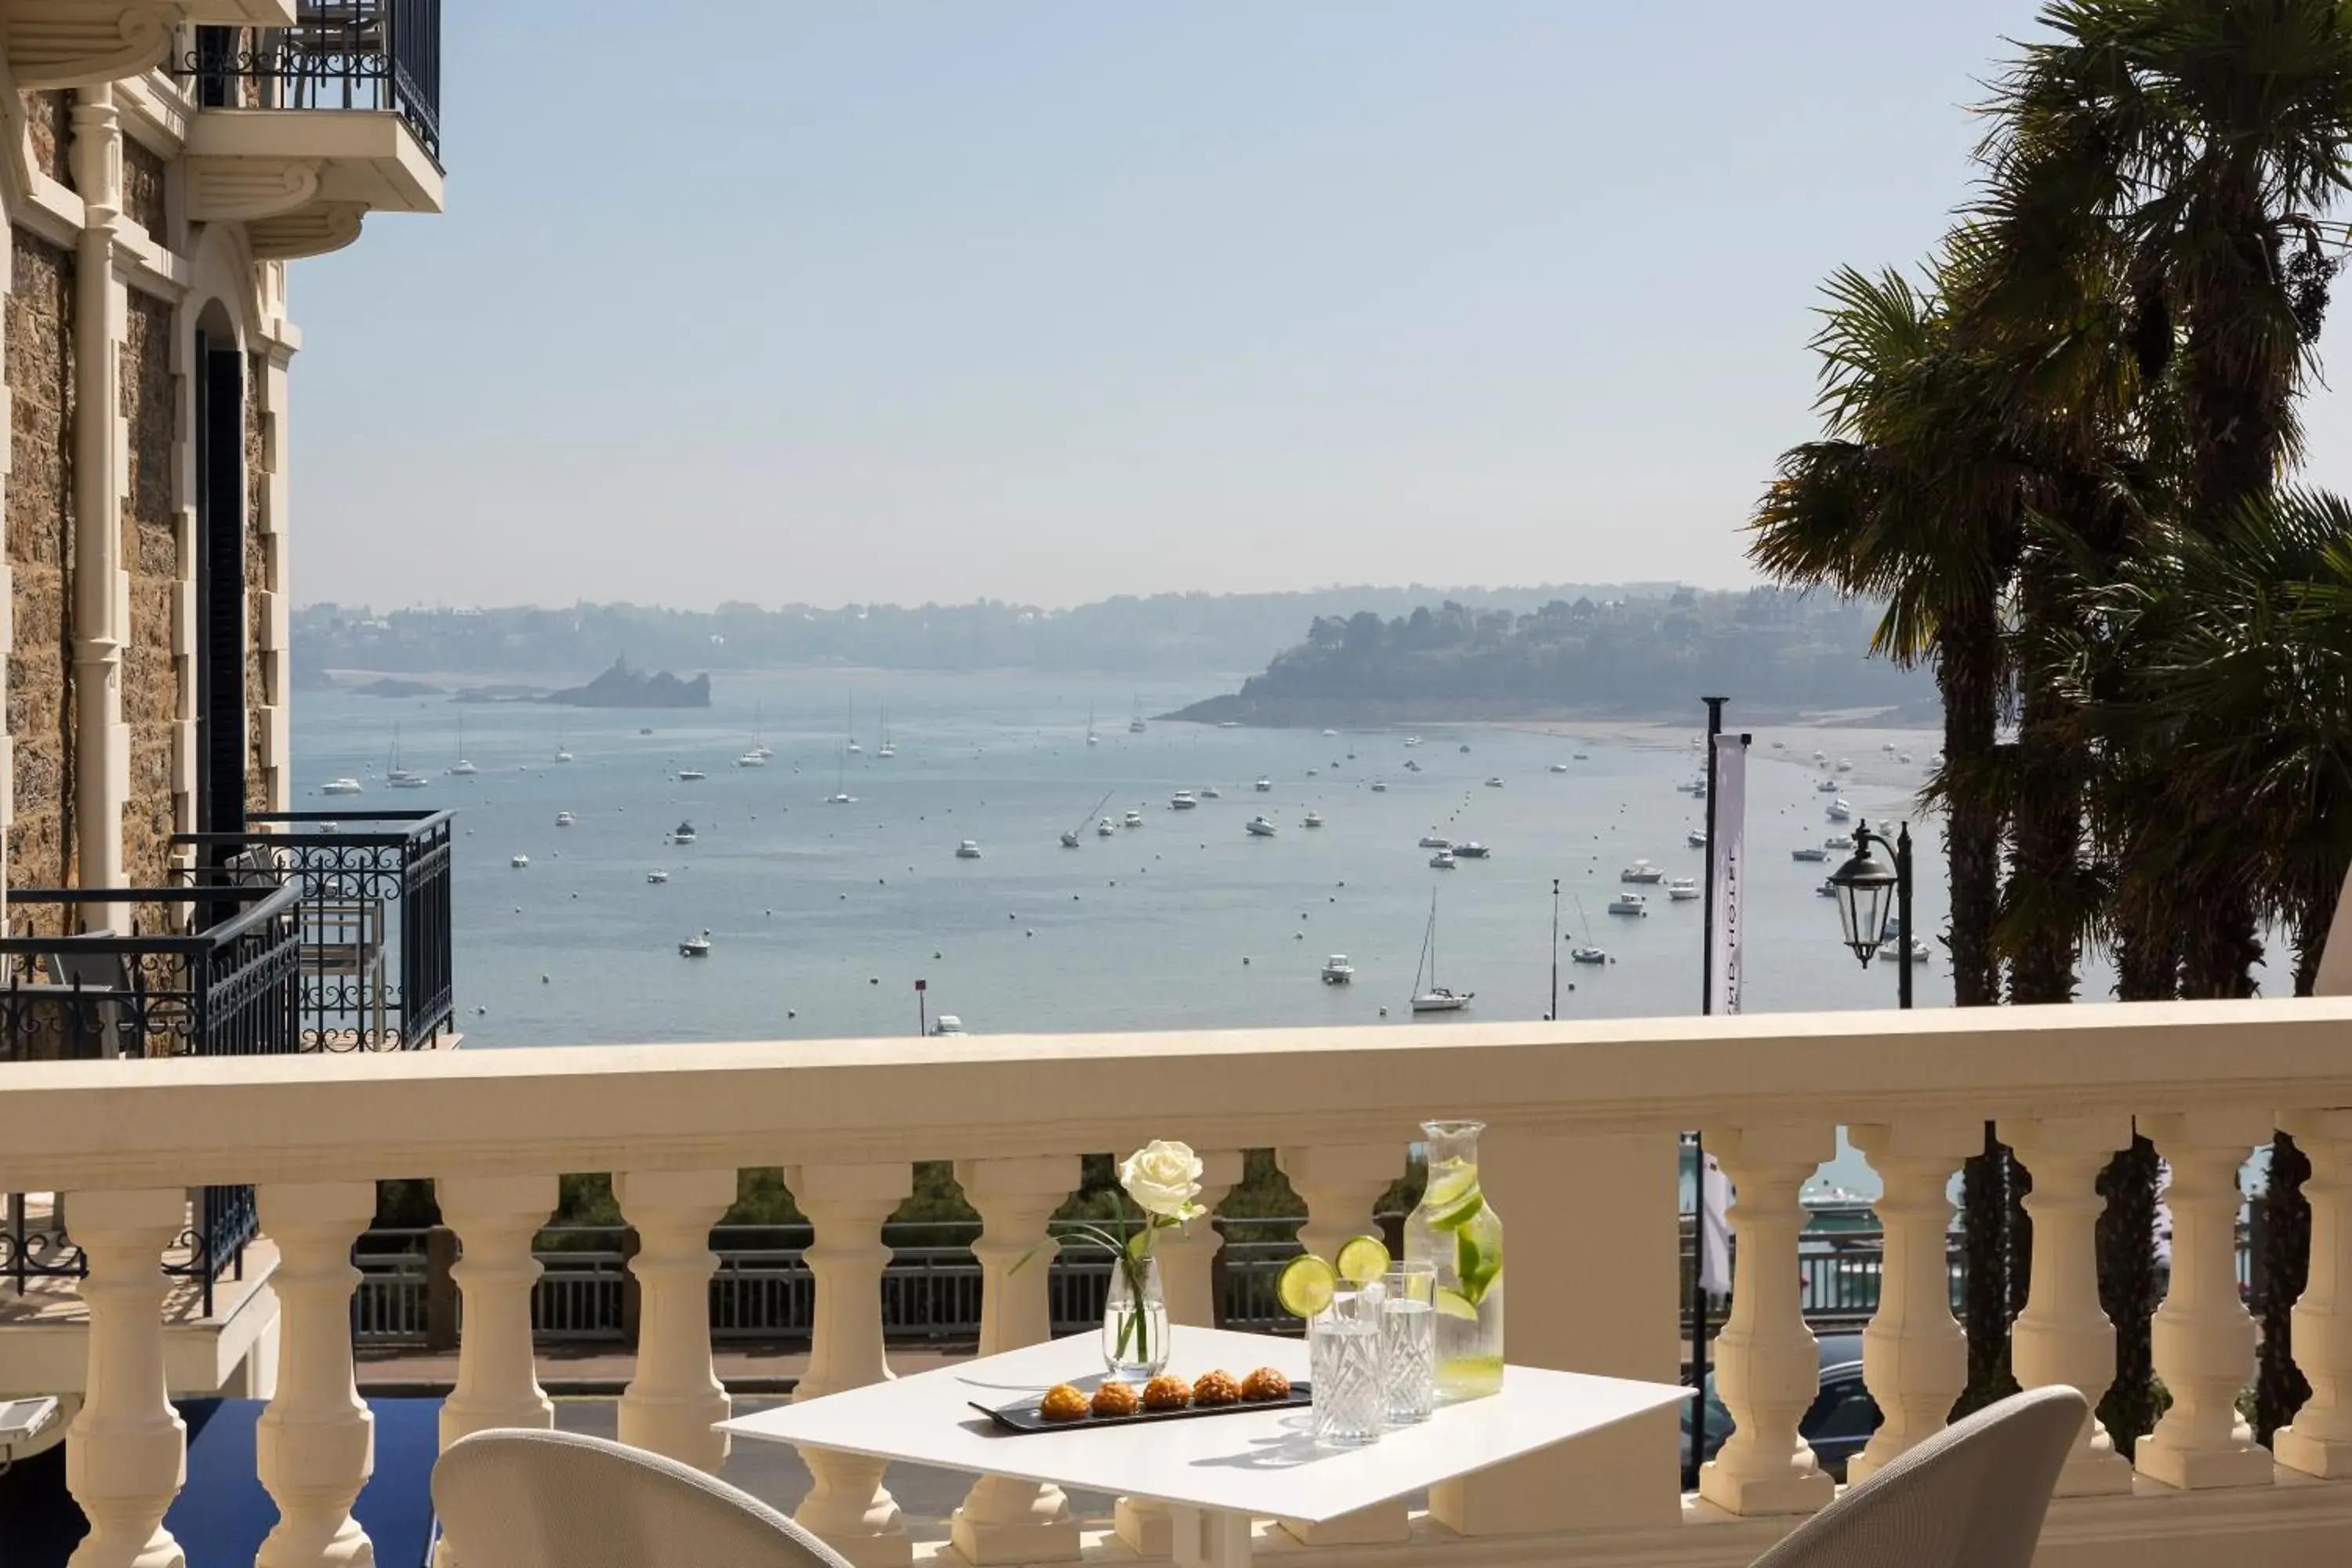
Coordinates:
1216 1472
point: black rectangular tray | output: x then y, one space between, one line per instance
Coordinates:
1022 1417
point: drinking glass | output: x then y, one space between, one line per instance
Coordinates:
1409 1341
1344 1349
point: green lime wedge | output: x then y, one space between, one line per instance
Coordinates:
1453 1303
1478 1256
1305 1286
1362 1259
1452 1195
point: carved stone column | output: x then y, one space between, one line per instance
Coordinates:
1003 1520
1767 1366
127 1452
2202 1339
496 1219
2064 1336
314 1447
1914 1360
848 1506
2319 1443
675 1398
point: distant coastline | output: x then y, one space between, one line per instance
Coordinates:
1372 713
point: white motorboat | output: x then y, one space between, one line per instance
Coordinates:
1471 849
1888 747
564 819
1106 828
1641 871
1314 819
656 876
1839 811
682 833
841 797
1826 786
1696 838
968 850
949 1024
1263 785
1443 860
1588 956
1560 767
1432 997
1821 759
691 776
1412 740
1920 952
1629 904
1844 766
1435 841
696 946
1936 759
1379 788
1329 733
1210 791
1259 827
1133 820
1338 970
1493 782
1809 852
561 755
343 786
1682 889
1838 841
1182 800
750 759
518 861
853 749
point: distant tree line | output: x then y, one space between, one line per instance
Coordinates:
1775 651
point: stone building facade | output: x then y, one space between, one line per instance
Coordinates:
161 171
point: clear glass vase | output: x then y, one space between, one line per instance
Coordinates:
1135 1322
1457 1233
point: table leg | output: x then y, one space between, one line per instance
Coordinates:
1208 1538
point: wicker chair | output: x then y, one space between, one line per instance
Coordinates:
528 1499
1973 1496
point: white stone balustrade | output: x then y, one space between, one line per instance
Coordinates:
1915 1359
2203 1341
670 1406
1580 1160
1003 1520
2319 1442
2063 1338
1767 1361
847 1203
314 1445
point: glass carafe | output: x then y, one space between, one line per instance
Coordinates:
1455 1230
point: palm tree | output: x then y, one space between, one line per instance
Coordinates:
1913 494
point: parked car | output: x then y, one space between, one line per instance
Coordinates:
1841 1421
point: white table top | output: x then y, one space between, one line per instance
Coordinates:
1258 1462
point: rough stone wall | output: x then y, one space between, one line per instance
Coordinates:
48 122
258 578
40 527
152 555
142 188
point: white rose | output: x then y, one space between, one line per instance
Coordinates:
1163 1179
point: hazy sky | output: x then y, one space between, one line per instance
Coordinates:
795 300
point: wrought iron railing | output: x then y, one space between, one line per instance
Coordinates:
377 972
382 54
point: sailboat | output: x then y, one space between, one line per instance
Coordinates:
462 768
1434 997
849 730
1070 839
760 747
561 754
885 749
1092 738
1135 725
398 777
840 796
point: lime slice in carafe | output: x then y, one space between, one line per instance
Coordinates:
1452 1196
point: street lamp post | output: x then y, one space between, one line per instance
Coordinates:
1864 885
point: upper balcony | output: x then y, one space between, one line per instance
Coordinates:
303 130
1581 1159
79 43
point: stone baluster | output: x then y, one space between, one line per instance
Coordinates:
1915 1359
127 1451
1003 1520
1768 1364
675 1397
1340 1183
2203 1342
2064 1336
1187 1260
314 1445
496 1219
2319 1443
848 1506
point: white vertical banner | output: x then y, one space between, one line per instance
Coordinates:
1727 852
1713 1230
